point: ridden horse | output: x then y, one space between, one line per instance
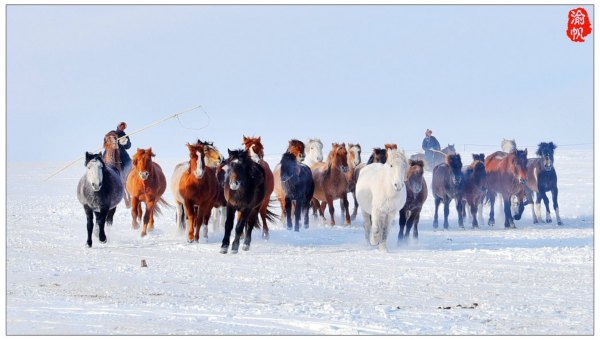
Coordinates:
508 145
198 187
381 193
112 156
506 174
146 183
297 186
314 152
99 191
474 190
447 184
416 194
541 177
296 148
331 182
212 159
256 152
354 165
438 156
244 192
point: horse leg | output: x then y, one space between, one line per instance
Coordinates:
342 208
191 216
355 210
100 220
555 204
480 210
446 212
437 202
297 214
415 223
228 228
89 214
239 229
473 208
305 208
492 198
460 210
331 210
347 209
501 208
206 211
367 225
385 220
263 216
148 215
402 223
288 212
111 214
529 196
135 202
322 207
547 204
251 222
316 206
508 221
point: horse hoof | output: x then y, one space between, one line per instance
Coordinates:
289 227
559 223
88 244
549 220
234 251
246 247
306 226
143 234
223 250
265 237
297 229
103 241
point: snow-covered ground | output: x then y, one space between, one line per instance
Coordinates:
537 279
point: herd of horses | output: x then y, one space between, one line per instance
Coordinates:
237 189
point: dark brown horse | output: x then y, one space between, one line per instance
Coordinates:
377 156
541 177
416 194
146 183
256 152
354 165
112 156
474 190
506 174
296 148
198 187
331 182
447 184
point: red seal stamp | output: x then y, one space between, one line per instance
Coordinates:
578 24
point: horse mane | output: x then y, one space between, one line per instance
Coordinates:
412 162
248 141
454 162
93 156
391 146
550 147
288 156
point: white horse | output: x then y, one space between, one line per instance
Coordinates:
508 145
313 152
381 193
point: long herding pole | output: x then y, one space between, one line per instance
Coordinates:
127 135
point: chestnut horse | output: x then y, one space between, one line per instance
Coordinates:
541 177
446 185
474 191
112 156
416 194
331 182
198 188
296 148
256 152
244 192
145 183
506 174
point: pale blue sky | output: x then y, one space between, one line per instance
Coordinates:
368 74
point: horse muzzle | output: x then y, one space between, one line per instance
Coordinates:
301 157
144 175
416 188
344 169
320 158
199 174
398 187
234 185
522 181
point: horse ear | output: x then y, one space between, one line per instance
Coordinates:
482 157
228 152
88 156
259 139
134 161
525 152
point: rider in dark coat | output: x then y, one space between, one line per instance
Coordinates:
430 143
124 144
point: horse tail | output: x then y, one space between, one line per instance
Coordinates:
270 215
164 204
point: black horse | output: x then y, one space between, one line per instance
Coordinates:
474 188
378 156
447 184
416 194
99 191
244 192
541 177
298 186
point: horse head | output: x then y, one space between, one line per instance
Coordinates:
142 162
94 165
478 168
354 151
378 156
338 157
508 145
414 175
546 153
212 156
297 148
519 163
255 147
455 164
449 150
197 159
397 165
236 167
315 150
289 166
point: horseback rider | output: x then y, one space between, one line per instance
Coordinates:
124 144
430 143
